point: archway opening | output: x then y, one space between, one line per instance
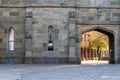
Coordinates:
97 47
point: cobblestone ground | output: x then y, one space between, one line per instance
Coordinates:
95 71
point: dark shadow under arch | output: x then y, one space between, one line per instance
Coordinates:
110 34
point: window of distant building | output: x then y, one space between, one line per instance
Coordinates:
39 1
62 2
102 2
97 2
93 2
11 39
50 38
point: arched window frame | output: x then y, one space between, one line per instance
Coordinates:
50 38
11 39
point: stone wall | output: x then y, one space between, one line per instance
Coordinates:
107 3
12 3
41 19
31 18
50 2
90 16
59 3
14 17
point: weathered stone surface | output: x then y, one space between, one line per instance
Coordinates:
116 14
31 1
90 16
31 20
14 13
1 40
14 1
4 1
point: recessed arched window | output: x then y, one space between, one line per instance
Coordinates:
11 39
50 38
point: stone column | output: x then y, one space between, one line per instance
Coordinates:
82 53
28 36
78 50
72 43
111 47
72 39
117 49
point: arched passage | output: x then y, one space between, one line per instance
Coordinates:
110 35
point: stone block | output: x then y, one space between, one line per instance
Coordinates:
115 22
29 54
4 1
72 43
28 60
39 1
14 1
107 19
50 60
119 40
45 45
114 3
3 45
56 33
91 18
1 40
2 35
1 30
116 14
72 21
5 13
71 14
72 52
14 14
31 1
5 31
71 30
77 39
0 13
19 40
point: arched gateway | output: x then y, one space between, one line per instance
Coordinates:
110 35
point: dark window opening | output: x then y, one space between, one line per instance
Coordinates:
50 38
1 40
50 46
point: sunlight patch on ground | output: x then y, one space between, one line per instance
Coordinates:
94 62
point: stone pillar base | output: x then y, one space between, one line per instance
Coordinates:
28 61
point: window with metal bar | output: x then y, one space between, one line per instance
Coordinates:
11 39
50 38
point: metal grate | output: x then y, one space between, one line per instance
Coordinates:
50 61
10 61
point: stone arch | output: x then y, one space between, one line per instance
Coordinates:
111 36
100 28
